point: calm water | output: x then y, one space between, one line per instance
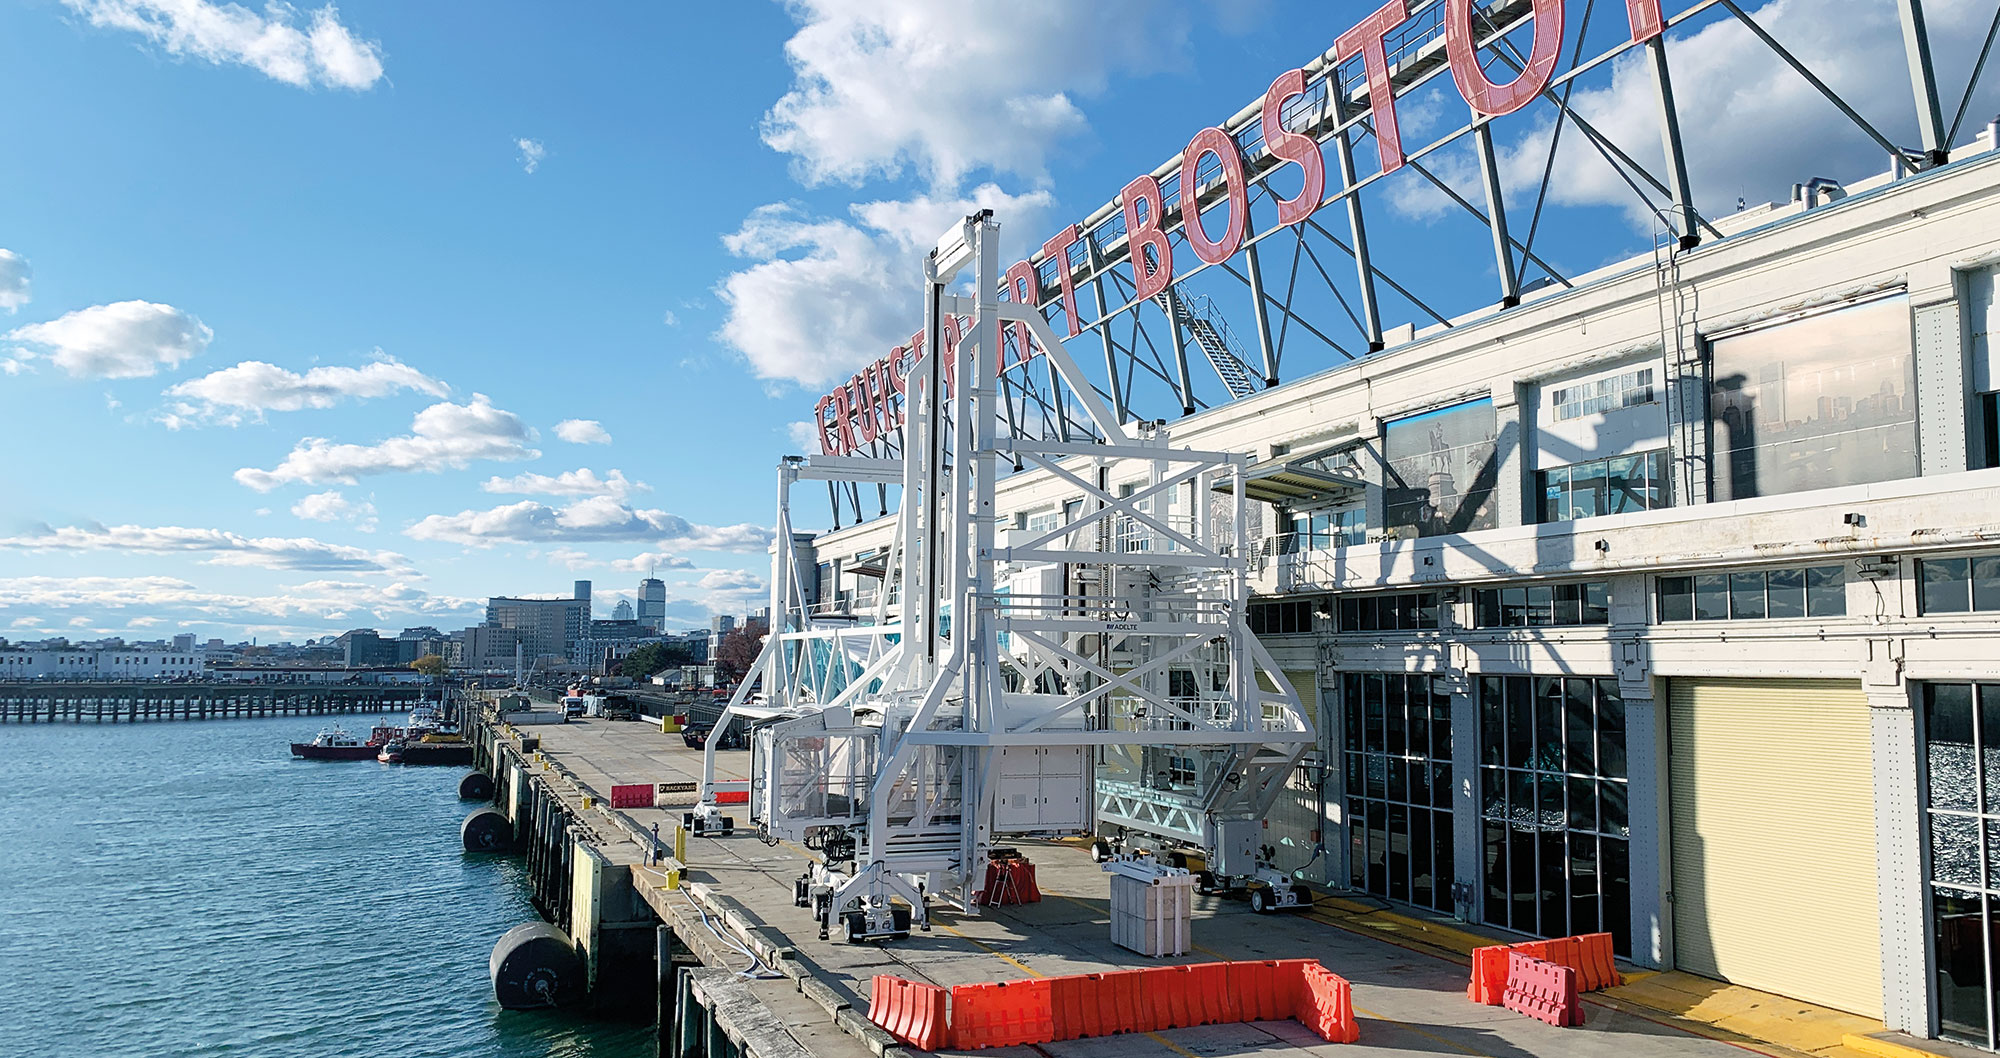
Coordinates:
190 889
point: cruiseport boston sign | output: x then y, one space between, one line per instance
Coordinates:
867 407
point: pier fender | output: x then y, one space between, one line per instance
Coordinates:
534 967
487 830
476 786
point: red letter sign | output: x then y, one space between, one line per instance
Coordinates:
1461 44
1365 40
1217 142
827 444
1057 250
1646 20
1292 147
1023 287
1150 276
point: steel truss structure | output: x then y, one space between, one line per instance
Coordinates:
1315 281
998 668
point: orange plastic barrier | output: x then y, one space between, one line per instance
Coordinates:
1002 1014
1589 955
1083 1006
1010 882
911 1012
1326 1004
1542 990
635 795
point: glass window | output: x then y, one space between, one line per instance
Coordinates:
1746 596
1619 485
1411 611
1676 598
1786 590
1541 605
1818 591
1398 749
1946 585
1442 469
1711 597
1553 814
1814 403
1826 591
1961 759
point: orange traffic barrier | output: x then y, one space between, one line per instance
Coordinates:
1123 994
1596 967
1078 1007
1589 955
1326 1004
1542 990
1210 1001
1002 1014
1489 975
911 1012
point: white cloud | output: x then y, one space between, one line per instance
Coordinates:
333 506
532 153
582 481
881 85
145 622
648 561
733 590
224 547
804 437
15 278
322 51
594 518
583 432
332 605
245 391
667 317
827 297
444 435
126 339
1741 93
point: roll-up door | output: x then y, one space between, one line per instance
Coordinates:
1774 839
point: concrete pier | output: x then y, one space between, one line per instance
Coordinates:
771 988
41 702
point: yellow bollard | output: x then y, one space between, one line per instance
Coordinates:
589 803
680 843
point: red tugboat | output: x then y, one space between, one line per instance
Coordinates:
334 744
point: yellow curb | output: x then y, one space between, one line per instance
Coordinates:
1881 1048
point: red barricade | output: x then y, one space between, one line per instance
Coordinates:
1123 994
636 795
1595 968
911 1012
1079 1007
1210 1000
1002 1014
1010 882
1263 990
1326 1004
1542 990
1489 975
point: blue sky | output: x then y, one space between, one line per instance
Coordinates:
296 301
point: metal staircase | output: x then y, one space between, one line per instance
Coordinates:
1211 332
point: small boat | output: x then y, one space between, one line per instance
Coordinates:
333 744
391 753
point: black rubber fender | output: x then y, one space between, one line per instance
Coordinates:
487 830
534 967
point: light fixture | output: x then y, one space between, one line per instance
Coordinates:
1602 546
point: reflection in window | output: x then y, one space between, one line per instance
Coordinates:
1961 755
1553 806
1814 403
1557 605
1398 761
1959 585
1818 591
1326 530
1413 611
1618 485
1441 470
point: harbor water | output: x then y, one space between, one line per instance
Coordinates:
190 889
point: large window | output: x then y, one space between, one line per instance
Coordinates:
1962 802
1618 485
1398 761
1326 530
1816 591
1285 617
1960 585
1816 402
1552 789
1411 611
1543 605
1442 468
1603 395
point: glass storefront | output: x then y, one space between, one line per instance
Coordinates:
1398 767
1553 794
1961 755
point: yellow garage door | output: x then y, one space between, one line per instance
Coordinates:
1774 839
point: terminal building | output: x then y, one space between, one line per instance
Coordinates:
128 664
1666 604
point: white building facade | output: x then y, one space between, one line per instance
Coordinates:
99 664
1667 605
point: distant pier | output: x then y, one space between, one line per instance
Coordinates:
129 702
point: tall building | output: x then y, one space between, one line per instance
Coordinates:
622 611
653 604
718 626
546 628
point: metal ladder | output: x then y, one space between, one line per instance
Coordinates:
1212 334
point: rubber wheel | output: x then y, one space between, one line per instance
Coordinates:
857 924
1260 900
799 896
1177 860
1100 850
1303 895
900 918
1204 882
